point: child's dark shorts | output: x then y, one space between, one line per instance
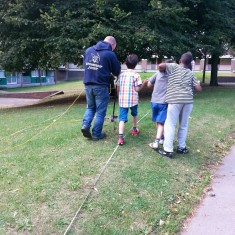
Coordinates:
159 112
123 113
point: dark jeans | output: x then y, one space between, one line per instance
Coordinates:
97 98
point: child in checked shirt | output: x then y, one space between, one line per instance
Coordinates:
129 84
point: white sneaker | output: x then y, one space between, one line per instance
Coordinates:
161 141
154 145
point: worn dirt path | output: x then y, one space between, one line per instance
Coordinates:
16 102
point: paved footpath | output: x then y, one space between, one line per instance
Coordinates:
216 213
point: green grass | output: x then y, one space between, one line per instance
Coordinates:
48 169
208 75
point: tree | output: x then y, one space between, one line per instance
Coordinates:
58 32
170 21
92 21
46 34
141 27
214 30
22 35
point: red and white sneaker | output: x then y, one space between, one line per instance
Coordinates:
136 132
120 141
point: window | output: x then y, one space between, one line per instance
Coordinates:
34 73
2 74
11 78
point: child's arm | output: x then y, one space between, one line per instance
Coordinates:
138 88
149 84
162 67
117 84
198 88
151 81
196 84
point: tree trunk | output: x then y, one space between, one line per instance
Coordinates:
40 76
214 69
67 72
204 70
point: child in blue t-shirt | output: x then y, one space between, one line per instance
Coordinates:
159 108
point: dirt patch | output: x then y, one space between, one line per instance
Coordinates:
232 135
63 98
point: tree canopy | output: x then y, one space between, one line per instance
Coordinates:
46 34
214 30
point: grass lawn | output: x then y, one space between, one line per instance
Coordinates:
48 170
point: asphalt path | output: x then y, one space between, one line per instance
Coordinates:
216 213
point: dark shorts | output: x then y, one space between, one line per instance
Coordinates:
159 112
123 113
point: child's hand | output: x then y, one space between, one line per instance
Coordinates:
145 82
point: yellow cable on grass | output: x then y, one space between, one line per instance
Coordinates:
52 123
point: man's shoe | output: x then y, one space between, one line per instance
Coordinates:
154 145
120 141
182 150
135 132
102 136
86 132
165 153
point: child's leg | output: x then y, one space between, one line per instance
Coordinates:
134 113
183 124
159 116
134 122
122 119
160 129
173 113
121 127
134 130
121 132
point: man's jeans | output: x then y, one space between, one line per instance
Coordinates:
176 112
97 98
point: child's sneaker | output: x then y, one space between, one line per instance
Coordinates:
135 132
161 141
120 141
154 145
